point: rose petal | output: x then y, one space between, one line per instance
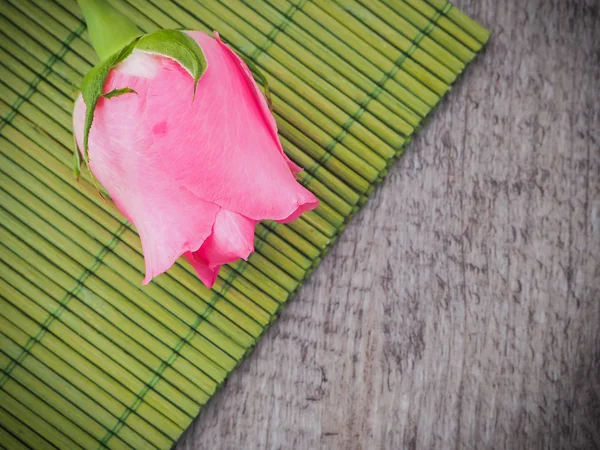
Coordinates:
297 213
170 219
232 238
222 146
260 99
207 275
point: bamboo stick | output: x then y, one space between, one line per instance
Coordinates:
115 386
332 15
274 255
54 28
291 236
299 256
61 67
31 368
462 20
78 416
53 417
447 24
41 433
316 219
47 40
11 336
28 59
314 21
107 311
201 369
427 70
347 196
8 441
438 34
402 34
90 325
52 407
277 280
172 418
332 67
331 154
11 63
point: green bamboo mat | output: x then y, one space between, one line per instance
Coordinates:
88 357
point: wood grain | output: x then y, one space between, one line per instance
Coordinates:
461 307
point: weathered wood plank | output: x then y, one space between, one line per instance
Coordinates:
461 308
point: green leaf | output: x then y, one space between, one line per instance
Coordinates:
179 46
76 160
118 92
93 85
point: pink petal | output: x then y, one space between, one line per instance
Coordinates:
260 99
232 238
297 213
207 275
170 219
222 146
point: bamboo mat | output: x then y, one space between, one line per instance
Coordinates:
90 358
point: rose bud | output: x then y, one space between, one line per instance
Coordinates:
175 128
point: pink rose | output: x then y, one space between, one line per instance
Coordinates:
196 172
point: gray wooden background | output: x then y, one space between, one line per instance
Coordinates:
461 308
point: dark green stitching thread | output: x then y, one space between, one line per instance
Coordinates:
289 13
41 76
372 96
175 352
55 315
447 7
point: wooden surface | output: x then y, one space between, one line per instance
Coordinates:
461 307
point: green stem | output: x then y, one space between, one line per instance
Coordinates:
109 29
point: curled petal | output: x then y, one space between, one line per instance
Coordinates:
232 238
298 212
207 275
